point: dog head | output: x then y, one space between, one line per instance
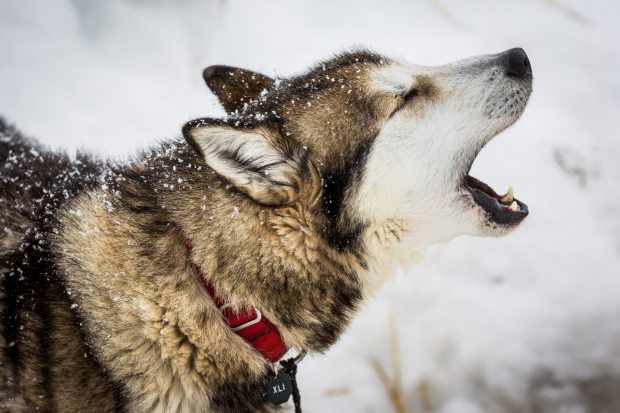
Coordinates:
392 143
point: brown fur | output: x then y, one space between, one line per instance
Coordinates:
102 308
44 362
127 324
235 87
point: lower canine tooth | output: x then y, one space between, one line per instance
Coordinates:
509 196
514 206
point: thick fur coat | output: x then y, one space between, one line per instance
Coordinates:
298 203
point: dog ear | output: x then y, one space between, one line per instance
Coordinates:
257 160
235 87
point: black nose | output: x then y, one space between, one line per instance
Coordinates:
517 63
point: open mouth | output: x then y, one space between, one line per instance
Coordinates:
503 209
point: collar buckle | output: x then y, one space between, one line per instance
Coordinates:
258 317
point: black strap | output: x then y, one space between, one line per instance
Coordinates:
290 367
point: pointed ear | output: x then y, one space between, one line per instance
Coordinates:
257 160
235 87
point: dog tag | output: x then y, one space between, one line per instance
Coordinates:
279 388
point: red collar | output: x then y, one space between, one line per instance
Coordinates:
250 324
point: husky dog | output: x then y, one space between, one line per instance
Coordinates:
297 205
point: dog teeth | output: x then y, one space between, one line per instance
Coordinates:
509 197
514 206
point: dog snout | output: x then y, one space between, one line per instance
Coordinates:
517 62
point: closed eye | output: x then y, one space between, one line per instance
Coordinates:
405 99
410 95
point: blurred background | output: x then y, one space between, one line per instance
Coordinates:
526 323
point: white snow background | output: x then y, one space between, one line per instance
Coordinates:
526 323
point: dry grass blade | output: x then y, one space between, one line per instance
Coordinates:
394 386
425 395
568 11
337 391
440 9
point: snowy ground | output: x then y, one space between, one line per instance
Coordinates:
526 323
